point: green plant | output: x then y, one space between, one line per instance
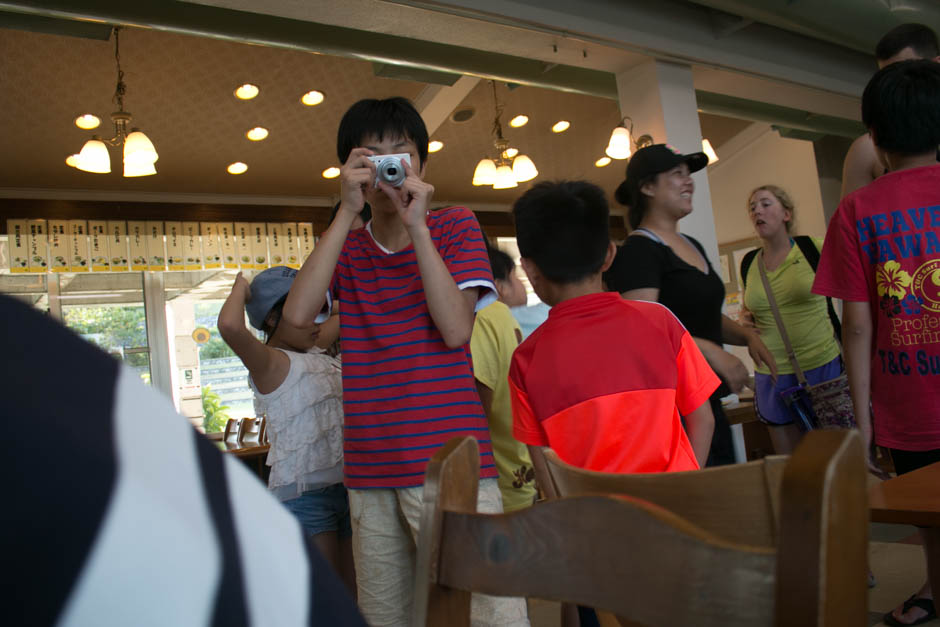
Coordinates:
214 416
215 348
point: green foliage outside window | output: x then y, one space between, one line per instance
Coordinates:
214 412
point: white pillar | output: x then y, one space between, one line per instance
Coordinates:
660 99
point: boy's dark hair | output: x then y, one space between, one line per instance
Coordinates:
918 37
501 263
395 117
901 107
564 229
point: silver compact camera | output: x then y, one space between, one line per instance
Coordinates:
389 169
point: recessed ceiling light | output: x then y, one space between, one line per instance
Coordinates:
257 134
519 120
509 153
247 91
313 98
331 172
237 168
87 121
72 161
435 145
561 126
602 162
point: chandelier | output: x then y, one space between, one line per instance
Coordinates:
139 153
509 168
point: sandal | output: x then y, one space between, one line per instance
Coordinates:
915 601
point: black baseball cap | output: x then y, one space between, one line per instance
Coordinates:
659 158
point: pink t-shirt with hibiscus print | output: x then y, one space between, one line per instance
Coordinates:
883 247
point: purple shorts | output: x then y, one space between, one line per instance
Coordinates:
767 402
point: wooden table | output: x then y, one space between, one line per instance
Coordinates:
913 499
252 454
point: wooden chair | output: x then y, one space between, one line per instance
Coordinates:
647 564
230 433
249 432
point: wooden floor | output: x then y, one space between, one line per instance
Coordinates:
897 562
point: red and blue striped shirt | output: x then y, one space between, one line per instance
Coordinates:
405 393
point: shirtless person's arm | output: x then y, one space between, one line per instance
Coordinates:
861 166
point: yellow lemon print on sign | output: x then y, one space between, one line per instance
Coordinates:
201 335
891 279
926 284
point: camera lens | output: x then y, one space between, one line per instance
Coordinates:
391 172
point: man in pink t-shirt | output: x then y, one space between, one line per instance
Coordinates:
882 258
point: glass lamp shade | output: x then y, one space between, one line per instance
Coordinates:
138 168
138 149
523 169
94 157
619 145
708 150
485 172
505 179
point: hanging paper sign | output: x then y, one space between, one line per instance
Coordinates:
276 243
228 246
98 245
78 243
18 236
38 252
156 251
243 245
289 238
192 251
211 250
259 245
137 240
58 245
305 233
174 245
117 245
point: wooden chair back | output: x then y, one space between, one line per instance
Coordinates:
739 503
645 563
230 433
249 432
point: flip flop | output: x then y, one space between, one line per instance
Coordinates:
915 601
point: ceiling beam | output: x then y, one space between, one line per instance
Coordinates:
436 102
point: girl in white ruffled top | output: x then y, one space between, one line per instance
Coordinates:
298 387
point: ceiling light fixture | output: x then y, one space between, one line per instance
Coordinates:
257 133
237 168
87 122
505 171
139 153
621 144
313 98
708 150
603 161
435 145
246 91
561 126
519 121
331 172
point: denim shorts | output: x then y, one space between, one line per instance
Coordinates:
767 402
322 510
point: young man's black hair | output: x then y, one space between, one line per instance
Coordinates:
901 107
501 263
921 39
564 228
365 215
395 117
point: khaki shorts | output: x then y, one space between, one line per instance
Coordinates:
385 532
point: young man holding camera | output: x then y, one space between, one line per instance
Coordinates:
408 284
